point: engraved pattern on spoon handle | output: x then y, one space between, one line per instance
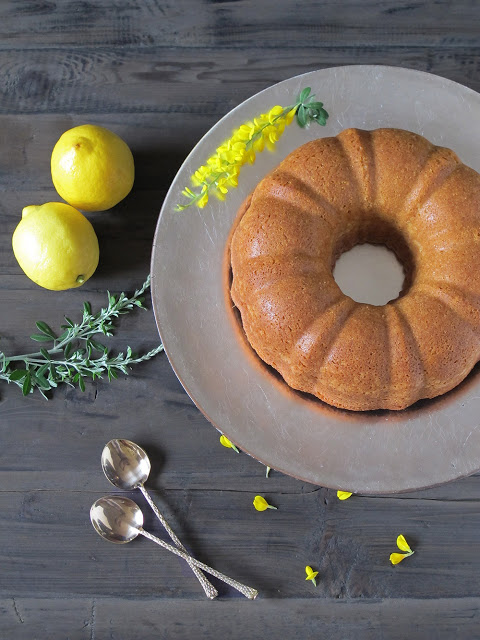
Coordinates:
248 592
208 587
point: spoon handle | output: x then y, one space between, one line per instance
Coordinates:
248 592
208 587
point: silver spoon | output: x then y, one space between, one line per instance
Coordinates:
120 520
127 466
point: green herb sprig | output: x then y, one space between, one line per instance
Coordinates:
73 356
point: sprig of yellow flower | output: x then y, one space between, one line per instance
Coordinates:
220 172
311 575
261 504
403 545
227 443
344 495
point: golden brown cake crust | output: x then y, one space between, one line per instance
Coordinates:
386 186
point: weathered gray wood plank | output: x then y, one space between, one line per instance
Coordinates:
48 547
245 23
118 80
120 619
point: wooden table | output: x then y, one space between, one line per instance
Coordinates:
160 74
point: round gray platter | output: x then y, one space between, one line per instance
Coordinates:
374 452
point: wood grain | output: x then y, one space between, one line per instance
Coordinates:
116 80
348 543
242 23
160 74
83 619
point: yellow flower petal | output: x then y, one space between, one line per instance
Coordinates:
225 441
203 201
344 495
395 558
290 116
311 574
261 504
274 112
402 544
261 121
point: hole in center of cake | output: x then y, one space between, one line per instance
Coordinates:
370 273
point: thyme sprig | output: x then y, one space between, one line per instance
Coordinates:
220 173
75 354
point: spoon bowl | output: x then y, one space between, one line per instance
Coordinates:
125 464
116 519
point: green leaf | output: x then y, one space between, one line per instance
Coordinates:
322 113
40 337
43 369
70 323
68 350
27 385
87 307
42 382
304 94
81 383
45 353
301 116
98 346
17 374
44 328
322 117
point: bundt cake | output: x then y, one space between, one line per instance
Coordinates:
386 186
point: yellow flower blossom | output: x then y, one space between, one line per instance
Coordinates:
220 171
403 545
226 443
261 504
344 495
311 575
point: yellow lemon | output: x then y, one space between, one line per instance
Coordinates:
55 245
92 168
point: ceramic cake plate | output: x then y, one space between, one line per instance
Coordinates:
375 452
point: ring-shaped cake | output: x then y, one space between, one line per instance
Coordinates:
387 186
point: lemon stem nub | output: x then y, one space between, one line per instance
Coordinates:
80 279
